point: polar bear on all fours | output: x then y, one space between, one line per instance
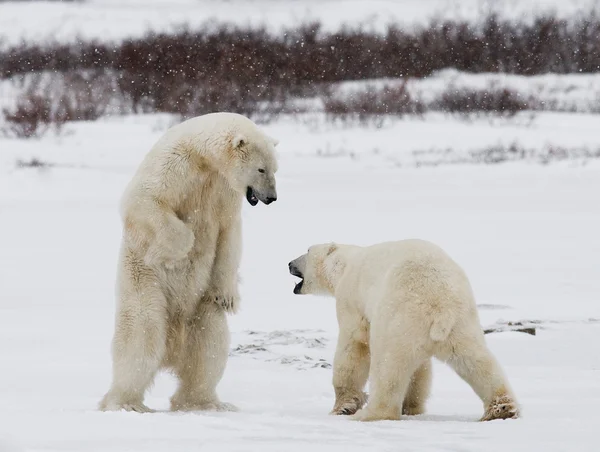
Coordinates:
399 304
179 259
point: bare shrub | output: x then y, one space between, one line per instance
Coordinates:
308 54
30 118
371 103
260 103
85 95
491 100
254 72
47 100
33 163
503 153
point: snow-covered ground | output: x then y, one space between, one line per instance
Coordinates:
527 234
117 19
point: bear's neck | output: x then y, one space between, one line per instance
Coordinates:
333 271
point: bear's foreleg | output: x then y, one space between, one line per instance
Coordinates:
223 286
154 226
351 366
202 361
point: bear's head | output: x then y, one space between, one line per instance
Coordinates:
318 270
252 166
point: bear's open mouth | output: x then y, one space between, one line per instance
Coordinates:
295 272
298 287
251 197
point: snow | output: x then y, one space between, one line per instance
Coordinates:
525 232
109 20
527 235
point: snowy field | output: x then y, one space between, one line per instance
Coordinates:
527 235
108 20
526 232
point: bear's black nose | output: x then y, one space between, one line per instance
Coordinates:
294 270
270 200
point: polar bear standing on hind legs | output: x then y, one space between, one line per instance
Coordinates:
179 258
398 304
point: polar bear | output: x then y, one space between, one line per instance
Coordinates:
398 305
179 258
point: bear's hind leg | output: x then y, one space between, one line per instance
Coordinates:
138 349
418 390
395 356
202 361
470 357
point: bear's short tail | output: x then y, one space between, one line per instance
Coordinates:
441 326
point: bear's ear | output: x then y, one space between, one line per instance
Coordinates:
275 141
331 249
239 141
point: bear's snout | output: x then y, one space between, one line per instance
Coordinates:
270 199
294 270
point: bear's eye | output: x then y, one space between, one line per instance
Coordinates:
261 170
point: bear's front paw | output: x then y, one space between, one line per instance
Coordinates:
111 402
179 242
171 247
347 405
501 408
228 301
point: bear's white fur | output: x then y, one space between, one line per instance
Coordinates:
398 305
179 258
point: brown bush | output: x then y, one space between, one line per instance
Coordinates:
372 103
47 100
33 163
467 100
255 73
504 153
30 118
307 54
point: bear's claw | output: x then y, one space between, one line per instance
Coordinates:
137 407
228 302
413 410
346 411
349 406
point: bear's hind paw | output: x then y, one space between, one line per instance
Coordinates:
501 408
366 415
206 406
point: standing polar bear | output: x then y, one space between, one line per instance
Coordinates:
398 304
179 258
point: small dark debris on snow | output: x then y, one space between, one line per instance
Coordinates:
33 163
